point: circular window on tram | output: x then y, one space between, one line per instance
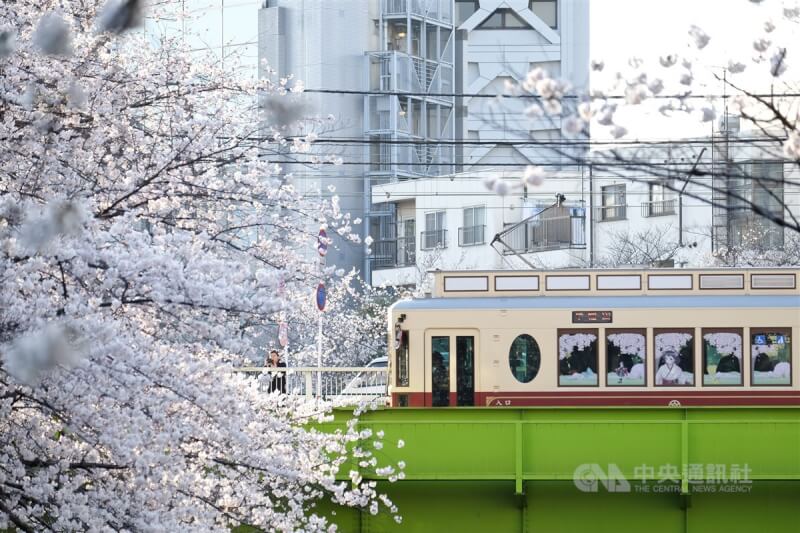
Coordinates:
524 358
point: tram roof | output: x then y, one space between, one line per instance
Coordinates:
608 302
617 282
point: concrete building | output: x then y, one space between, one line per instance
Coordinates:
448 220
323 44
499 42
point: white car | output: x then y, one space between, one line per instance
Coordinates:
367 385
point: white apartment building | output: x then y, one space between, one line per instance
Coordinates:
601 207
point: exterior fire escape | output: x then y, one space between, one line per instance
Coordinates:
408 112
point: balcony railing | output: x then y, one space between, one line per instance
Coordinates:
433 239
471 235
609 213
554 229
434 9
658 208
393 253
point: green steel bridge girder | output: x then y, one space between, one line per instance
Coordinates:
686 446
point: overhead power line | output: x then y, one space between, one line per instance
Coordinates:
529 142
538 97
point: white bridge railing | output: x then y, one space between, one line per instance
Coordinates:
342 384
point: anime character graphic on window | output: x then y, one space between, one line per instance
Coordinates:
771 357
670 371
722 354
577 360
625 359
674 359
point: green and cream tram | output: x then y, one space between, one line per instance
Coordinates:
599 337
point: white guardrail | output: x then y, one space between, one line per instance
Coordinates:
349 384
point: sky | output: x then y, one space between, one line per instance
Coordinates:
649 29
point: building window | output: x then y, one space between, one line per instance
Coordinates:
504 19
524 358
465 9
625 358
435 234
660 201
474 229
406 242
674 359
722 357
577 358
771 356
547 10
762 184
613 203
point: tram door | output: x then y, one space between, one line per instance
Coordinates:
452 369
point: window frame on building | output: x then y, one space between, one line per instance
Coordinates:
436 236
660 200
474 232
748 186
504 15
459 20
532 5
613 211
406 241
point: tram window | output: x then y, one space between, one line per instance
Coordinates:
401 355
625 358
524 358
722 357
771 356
674 360
440 371
577 358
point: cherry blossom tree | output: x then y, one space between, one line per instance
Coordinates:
653 246
143 239
754 251
354 322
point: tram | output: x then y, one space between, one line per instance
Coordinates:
654 337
